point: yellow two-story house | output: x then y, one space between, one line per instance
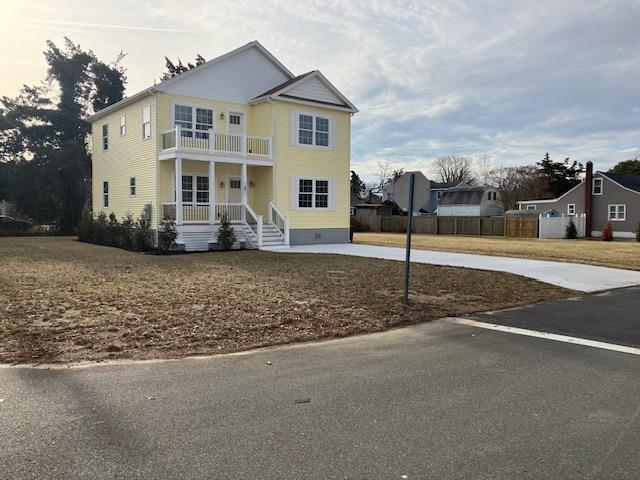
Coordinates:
238 136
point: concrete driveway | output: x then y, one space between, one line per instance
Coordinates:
584 278
433 401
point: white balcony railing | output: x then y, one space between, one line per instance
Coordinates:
217 143
199 212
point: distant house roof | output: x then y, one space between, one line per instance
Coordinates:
463 196
443 185
632 182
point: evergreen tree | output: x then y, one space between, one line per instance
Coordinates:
627 167
559 176
173 69
358 187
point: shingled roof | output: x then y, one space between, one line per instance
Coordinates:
463 196
632 182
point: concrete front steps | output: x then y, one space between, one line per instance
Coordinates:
271 236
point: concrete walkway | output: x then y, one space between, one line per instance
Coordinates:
584 278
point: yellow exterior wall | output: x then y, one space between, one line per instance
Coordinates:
292 161
127 156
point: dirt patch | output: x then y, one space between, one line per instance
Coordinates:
61 300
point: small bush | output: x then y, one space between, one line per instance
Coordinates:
86 227
127 230
226 235
607 231
100 229
572 231
142 241
113 231
167 234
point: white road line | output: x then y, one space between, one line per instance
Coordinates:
548 336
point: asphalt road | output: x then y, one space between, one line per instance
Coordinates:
435 401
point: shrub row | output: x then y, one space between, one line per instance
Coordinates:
130 233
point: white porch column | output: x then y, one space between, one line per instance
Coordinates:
244 191
212 192
178 190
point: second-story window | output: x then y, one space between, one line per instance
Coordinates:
146 122
197 125
105 137
123 125
313 130
597 186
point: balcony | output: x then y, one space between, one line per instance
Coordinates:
245 146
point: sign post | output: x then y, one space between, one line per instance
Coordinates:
410 192
407 264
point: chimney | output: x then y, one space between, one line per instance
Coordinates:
588 204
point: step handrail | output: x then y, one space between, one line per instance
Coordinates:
284 218
259 222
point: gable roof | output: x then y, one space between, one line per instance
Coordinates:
283 90
462 196
166 83
632 182
443 185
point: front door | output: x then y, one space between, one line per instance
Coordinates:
234 193
236 123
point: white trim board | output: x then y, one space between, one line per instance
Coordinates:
547 336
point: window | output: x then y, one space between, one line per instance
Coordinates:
202 189
312 193
105 194
531 207
132 186
313 130
571 209
187 189
123 125
617 212
234 119
234 183
193 127
201 192
105 137
597 186
491 195
438 195
146 122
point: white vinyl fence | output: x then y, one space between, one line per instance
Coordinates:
556 227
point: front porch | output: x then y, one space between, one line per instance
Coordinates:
198 194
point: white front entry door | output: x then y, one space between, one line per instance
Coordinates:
234 189
236 123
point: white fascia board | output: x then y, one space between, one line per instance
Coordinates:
255 44
311 103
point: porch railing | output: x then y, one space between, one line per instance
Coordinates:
233 211
217 143
280 221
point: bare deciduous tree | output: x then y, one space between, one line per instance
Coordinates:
454 169
484 168
518 183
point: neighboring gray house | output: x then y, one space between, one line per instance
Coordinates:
610 196
435 191
470 202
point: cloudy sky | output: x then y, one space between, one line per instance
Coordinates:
509 79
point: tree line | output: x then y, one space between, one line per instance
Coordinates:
45 163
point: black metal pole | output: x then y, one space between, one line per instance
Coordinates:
407 264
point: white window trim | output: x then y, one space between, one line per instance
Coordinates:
135 185
295 191
236 111
569 205
144 123
593 186
617 206
123 125
330 133
193 115
104 137
531 207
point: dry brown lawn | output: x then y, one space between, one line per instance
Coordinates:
62 300
618 254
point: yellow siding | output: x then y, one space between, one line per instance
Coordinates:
127 156
292 161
